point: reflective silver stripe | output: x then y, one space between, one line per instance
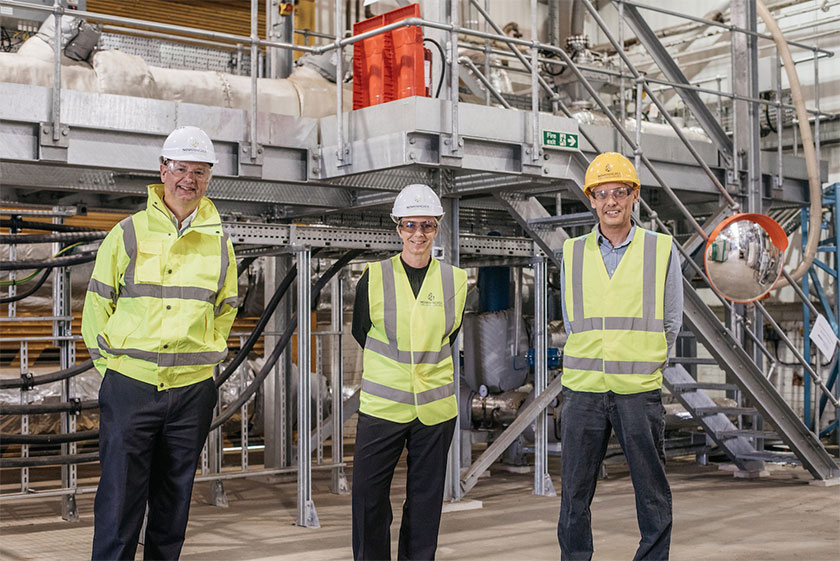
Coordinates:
577 284
94 353
435 394
385 392
630 367
130 245
404 357
103 290
580 363
432 357
389 294
226 302
225 263
447 277
160 291
634 324
649 278
166 359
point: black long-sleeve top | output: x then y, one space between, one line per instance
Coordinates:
361 305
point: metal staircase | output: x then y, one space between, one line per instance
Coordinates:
723 345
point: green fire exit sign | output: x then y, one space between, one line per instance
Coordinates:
561 139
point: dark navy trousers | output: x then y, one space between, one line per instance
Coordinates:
639 424
149 445
379 444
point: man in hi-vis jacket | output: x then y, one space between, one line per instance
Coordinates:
622 308
158 311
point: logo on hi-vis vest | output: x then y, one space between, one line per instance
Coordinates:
430 301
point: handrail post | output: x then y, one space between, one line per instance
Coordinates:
56 98
252 133
535 97
455 141
342 150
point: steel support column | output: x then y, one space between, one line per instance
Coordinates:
339 483
746 131
276 408
307 516
542 480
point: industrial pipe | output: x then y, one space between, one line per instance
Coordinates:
811 163
47 378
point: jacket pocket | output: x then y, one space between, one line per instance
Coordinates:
149 262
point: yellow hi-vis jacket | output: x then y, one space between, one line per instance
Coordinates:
159 306
408 369
617 333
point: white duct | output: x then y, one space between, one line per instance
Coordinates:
304 94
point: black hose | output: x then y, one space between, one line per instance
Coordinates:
244 264
36 409
61 237
256 333
47 226
85 257
270 360
28 293
442 63
49 460
48 438
47 378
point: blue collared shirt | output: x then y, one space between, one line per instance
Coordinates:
673 303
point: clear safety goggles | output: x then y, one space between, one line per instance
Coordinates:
619 193
200 172
411 226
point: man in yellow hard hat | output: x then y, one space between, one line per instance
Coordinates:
622 308
407 314
158 311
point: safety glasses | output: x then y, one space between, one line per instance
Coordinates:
425 226
619 193
201 173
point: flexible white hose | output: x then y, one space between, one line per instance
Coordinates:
815 188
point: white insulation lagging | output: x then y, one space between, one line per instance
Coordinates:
303 94
815 188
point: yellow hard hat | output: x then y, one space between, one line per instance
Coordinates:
609 167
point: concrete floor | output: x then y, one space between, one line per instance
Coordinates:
717 517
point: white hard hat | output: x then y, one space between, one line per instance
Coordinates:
416 200
188 144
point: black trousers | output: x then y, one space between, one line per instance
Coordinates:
379 444
149 445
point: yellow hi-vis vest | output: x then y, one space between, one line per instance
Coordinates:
617 333
159 306
408 369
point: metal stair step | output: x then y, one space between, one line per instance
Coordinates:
707 411
692 386
766 435
691 360
777 457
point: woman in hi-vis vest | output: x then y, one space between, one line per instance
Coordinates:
407 314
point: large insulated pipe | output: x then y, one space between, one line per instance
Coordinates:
811 162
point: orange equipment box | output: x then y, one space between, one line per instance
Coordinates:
390 65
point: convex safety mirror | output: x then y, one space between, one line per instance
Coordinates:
745 255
